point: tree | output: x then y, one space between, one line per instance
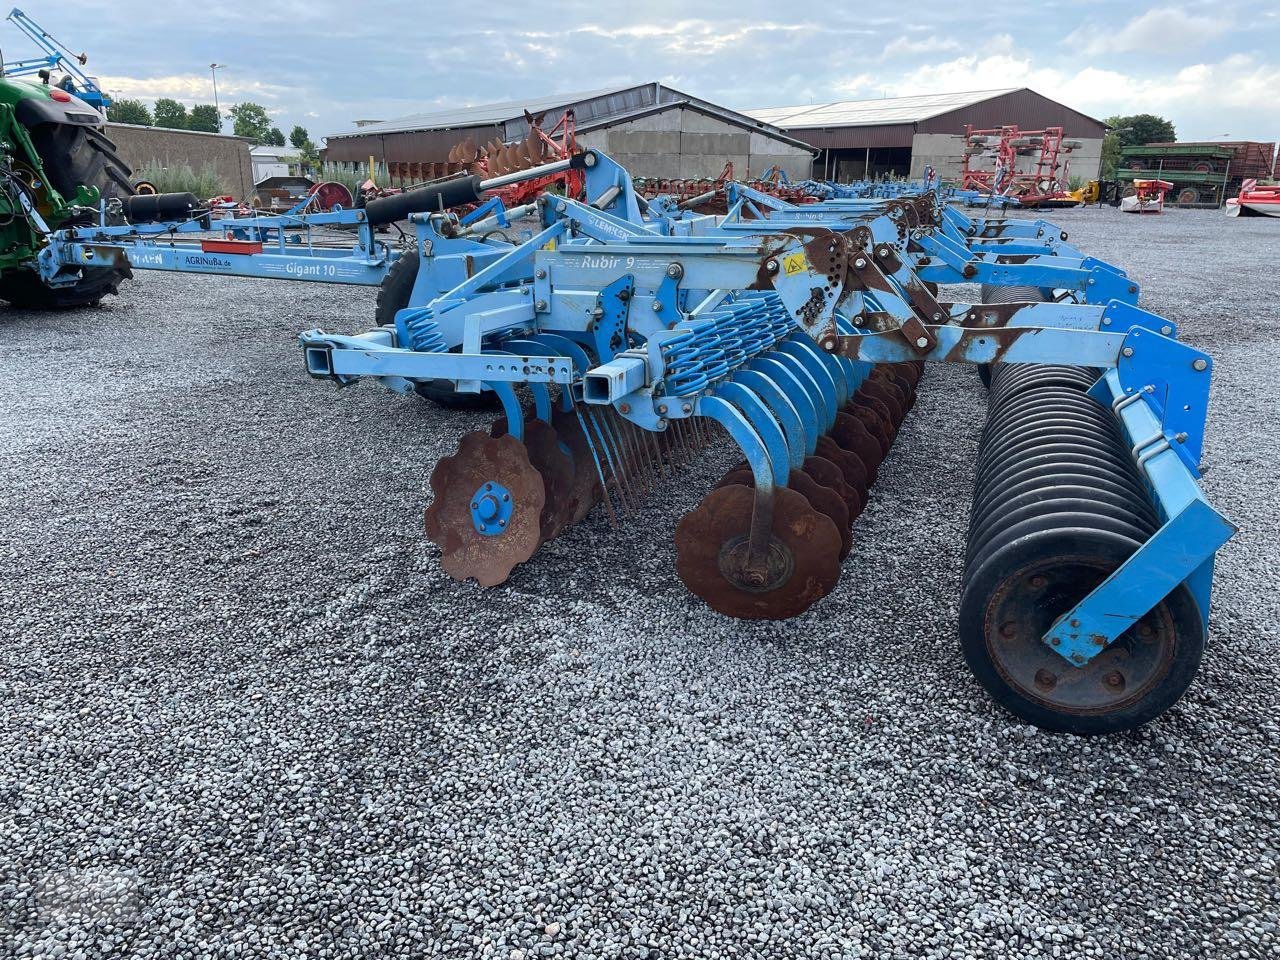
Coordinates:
1144 128
251 120
1133 131
274 138
1111 147
204 117
299 137
171 114
129 111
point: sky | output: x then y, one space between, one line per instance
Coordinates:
1211 68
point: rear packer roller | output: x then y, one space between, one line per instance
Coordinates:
1058 507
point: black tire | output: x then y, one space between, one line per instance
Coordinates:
393 296
72 155
1177 618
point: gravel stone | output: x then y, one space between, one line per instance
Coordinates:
243 713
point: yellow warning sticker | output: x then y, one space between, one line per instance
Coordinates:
550 245
795 263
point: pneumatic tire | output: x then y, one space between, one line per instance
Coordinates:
72 155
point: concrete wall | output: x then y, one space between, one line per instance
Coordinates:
229 156
679 143
943 151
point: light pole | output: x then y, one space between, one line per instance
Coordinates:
213 71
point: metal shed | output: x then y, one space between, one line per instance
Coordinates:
654 130
901 135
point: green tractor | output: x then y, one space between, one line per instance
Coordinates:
57 167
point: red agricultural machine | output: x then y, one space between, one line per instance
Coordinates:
497 159
1040 181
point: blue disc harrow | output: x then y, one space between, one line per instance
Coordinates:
619 336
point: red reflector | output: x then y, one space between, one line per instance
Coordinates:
60 95
230 246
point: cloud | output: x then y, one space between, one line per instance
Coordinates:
192 88
1158 31
1198 96
743 54
905 46
695 37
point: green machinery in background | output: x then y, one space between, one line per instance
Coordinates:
58 168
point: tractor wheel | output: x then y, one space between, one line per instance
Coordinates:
393 296
72 155
1187 196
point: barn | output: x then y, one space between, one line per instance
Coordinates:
899 136
651 129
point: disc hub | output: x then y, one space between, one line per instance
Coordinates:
735 565
491 508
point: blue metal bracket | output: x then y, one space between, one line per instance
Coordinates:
1179 377
667 297
1184 544
609 317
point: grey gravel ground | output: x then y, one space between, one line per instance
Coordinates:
245 714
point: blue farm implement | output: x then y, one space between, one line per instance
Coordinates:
622 336
171 232
56 58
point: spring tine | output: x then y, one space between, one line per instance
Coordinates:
656 443
673 443
595 457
643 460
636 487
646 442
625 494
621 429
622 470
641 472
608 455
680 448
684 442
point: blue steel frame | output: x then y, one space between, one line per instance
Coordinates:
961 251
57 57
289 252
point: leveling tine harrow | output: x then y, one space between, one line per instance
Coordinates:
802 335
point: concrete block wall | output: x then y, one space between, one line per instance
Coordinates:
943 151
680 143
229 156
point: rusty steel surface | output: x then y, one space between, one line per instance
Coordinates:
466 552
585 490
803 551
851 466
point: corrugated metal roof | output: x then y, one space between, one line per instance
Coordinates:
592 105
728 116
480 115
858 113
